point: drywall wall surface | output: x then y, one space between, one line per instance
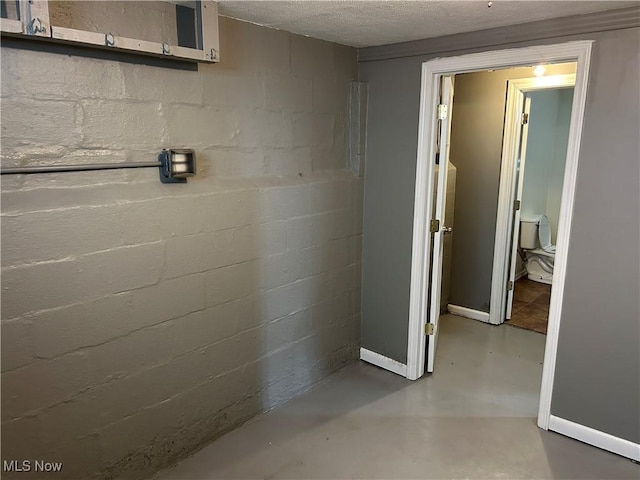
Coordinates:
546 154
556 175
392 119
597 380
540 151
141 320
597 375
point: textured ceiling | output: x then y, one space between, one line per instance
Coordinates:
368 23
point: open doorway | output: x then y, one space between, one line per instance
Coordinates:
538 191
491 269
433 136
490 124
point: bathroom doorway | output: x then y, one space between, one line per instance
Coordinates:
534 206
504 122
487 152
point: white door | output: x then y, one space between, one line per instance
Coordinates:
515 237
437 225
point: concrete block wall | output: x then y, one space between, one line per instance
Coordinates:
141 320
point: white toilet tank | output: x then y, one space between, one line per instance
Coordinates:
529 232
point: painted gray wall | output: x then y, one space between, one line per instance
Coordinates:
141 320
597 375
597 380
392 117
476 133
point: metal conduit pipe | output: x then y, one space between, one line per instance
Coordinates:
76 168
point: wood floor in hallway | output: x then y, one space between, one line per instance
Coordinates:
473 418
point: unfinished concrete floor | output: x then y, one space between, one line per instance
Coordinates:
474 418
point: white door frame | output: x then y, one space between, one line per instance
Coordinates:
510 151
446 100
432 70
519 165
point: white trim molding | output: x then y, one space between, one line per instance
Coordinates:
468 313
383 362
423 206
596 438
582 54
432 71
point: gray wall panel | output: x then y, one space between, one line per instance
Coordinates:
597 379
388 216
598 369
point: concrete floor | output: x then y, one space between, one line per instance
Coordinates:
473 418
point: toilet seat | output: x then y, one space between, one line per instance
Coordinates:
540 260
544 234
543 252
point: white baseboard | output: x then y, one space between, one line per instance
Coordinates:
383 362
595 437
468 313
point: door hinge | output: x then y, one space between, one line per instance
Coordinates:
525 118
442 111
428 328
434 225
510 285
516 205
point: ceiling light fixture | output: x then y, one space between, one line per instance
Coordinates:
539 71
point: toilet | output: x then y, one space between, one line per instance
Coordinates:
535 241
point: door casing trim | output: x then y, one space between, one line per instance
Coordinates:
580 52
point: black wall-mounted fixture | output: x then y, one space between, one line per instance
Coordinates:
176 165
